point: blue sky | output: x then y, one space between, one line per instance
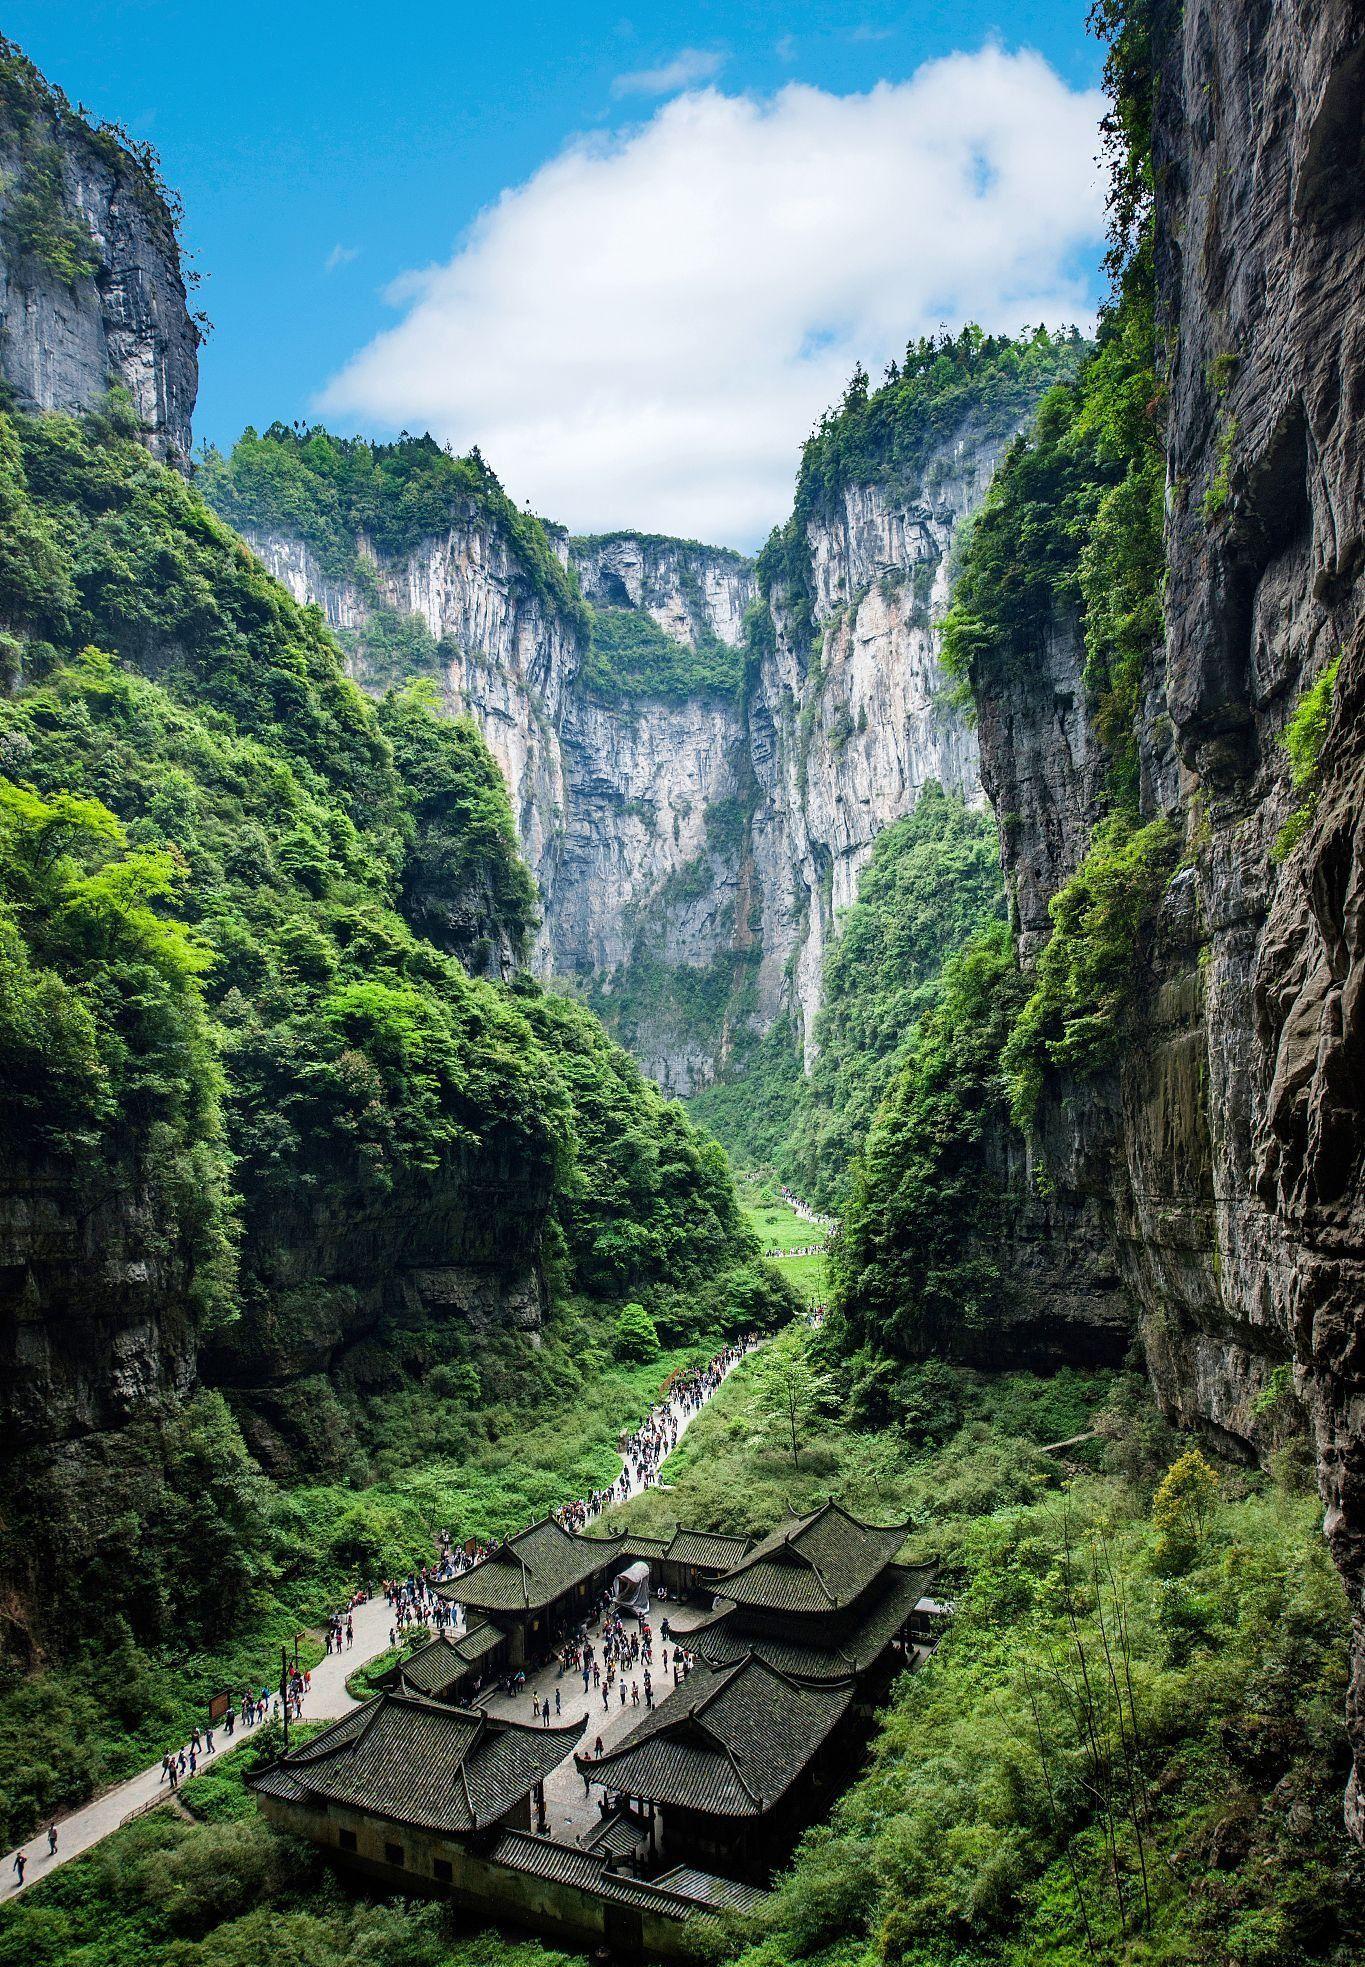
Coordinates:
326 152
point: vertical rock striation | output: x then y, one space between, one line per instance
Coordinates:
1261 153
91 287
1213 1187
693 835
849 714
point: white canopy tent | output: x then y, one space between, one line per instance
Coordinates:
630 1588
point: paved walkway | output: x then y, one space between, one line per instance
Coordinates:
326 1698
568 1810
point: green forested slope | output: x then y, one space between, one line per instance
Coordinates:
899 436
932 879
1070 532
238 1033
1128 1747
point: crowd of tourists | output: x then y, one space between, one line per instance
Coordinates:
414 1601
619 1664
807 1214
826 1224
654 1440
257 1706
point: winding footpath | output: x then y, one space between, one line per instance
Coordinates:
325 1699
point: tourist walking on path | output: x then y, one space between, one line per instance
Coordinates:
363 1629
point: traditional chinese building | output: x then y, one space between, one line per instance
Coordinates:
732 1764
450 1669
687 1561
819 1599
424 1797
404 1780
809 1628
536 1586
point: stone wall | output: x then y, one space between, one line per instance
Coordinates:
116 312
1212 1188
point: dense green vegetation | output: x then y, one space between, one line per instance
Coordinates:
300 481
778 1227
462 840
1304 737
41 226
911 1270
629 655
224 1890
237 903
750 1106
1128 1746
1069 540
933 878
887 435
1089 980
1071 531
899 436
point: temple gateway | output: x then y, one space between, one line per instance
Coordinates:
695 1799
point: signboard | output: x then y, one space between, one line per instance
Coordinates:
218 1707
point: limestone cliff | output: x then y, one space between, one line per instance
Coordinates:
1212 1186
849 715
698 770
91 287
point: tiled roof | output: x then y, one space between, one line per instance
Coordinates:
421 1762
618 1836
637 1545
479 1642
541 1857
430 1670
711 1889
532 1569
708 1549
730 1740
443 1662
852 1648
819 1563
681 1894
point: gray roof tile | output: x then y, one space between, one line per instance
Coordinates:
708 1549
850 1647
730 1740
818 1563
421 1762
532 1569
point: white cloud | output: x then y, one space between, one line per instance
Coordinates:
340 256
643 333
687 68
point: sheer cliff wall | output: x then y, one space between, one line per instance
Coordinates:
1210 1190
693 843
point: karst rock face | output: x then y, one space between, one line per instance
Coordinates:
846 725
703 841
1209 1192
1261 155
1221 1169
107 305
